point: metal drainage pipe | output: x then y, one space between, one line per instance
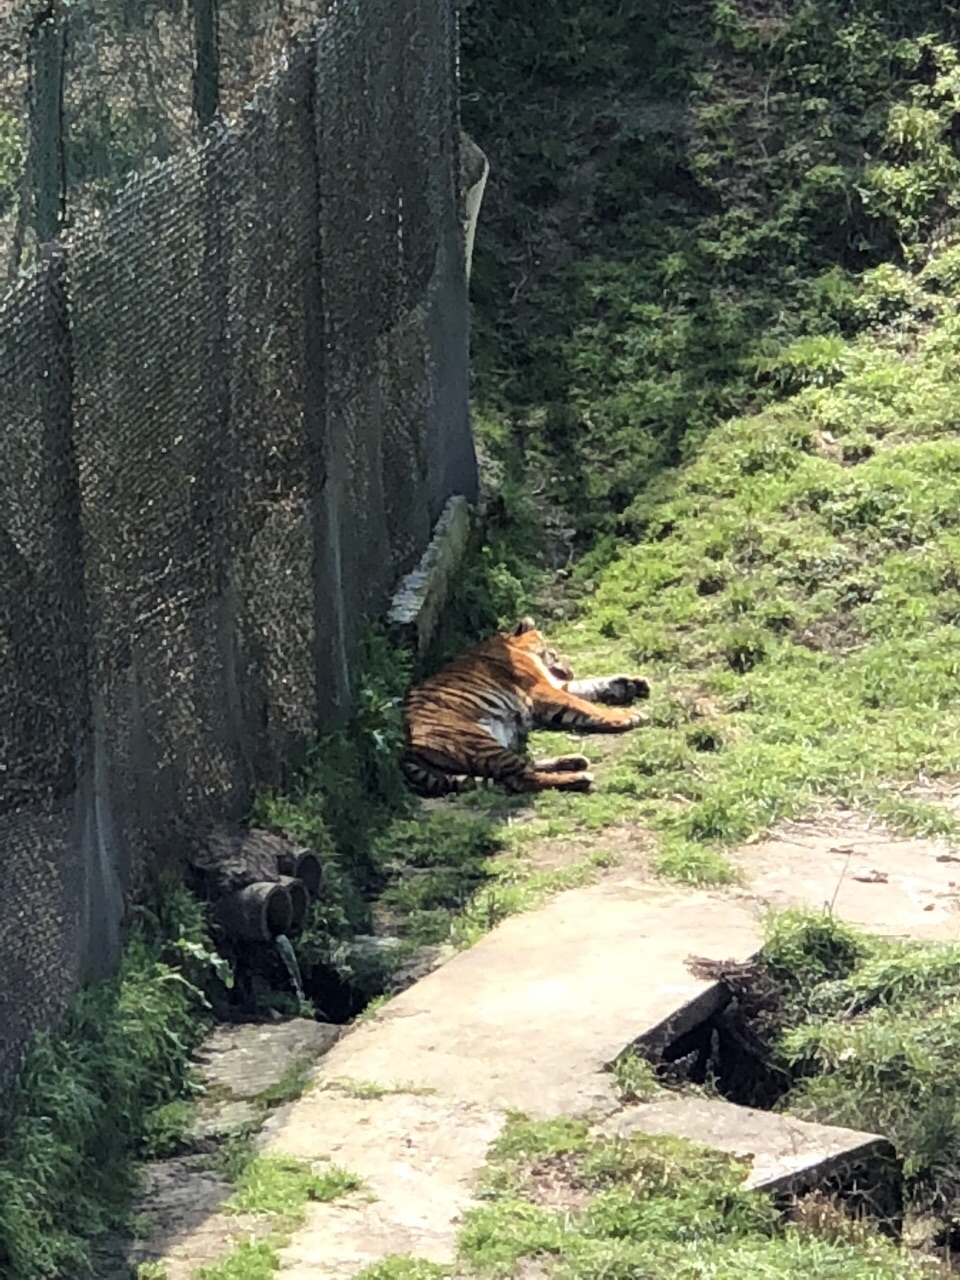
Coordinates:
305 866
258 912
299 900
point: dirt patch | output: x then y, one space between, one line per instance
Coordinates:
944 791
840 634
554 1182
178 1220
624 848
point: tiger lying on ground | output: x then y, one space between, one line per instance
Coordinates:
472 718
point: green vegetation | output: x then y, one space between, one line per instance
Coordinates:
716 327
371 1090
799 617
102 1090
574 1204
282 1186
249 1260
291 1084
273 1192
870 1034
636 1078
400 1266
152 1271
680 191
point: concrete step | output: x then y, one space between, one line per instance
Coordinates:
531 1016
787 1157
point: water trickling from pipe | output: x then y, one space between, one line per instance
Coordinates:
289 958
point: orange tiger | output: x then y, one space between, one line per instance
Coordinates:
472 718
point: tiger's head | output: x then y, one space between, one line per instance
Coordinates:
526 636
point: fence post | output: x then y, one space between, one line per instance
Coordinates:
47 149
206 71
325 454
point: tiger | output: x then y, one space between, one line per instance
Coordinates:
471 720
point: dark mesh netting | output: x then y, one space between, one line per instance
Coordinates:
42 872
13 134
269 181
386 128
230 411
153 441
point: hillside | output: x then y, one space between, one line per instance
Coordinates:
717 346
716 319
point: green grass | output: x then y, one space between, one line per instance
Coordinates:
681 194
282 1186
275 1191
151 1271
797 617
795 604
635 1078
291 1085
400 1266
572 1204
107 1087
249 1260
372 1090
871 1036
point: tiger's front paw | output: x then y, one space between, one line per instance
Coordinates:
620 691
562 764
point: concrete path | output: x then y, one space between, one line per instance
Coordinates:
525 1020
529 1018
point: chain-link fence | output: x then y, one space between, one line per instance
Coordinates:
233 401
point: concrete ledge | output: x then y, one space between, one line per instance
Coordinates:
417 602
787 1157
651 1043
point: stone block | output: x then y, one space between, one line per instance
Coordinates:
787 1157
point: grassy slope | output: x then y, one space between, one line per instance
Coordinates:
717 327
716 320
798 613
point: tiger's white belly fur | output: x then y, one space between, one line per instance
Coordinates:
508 719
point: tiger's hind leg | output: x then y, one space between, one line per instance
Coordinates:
457 762
432 782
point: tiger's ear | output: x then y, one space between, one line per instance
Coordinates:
523 626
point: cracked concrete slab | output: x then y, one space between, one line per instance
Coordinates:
527 1019
418 1155
531 1015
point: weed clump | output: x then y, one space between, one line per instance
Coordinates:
871 1038
106 1087
577 1204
